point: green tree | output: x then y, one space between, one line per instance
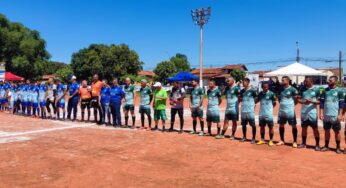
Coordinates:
64 73
108 61
165 70
181 62
238 74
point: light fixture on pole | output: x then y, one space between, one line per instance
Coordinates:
201 17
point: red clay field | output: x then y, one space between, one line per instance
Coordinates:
44 153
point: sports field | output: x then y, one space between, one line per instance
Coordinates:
44 153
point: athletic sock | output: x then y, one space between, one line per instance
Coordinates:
126 120
304 140
253 132
181 124
327 143
63 115
172 125
149 120
133 120
82 116
337 144
262 135
282 133
233 132
194 125
218 130
317 139
244 131
209 129
142 120
295 134
202 125
223 132
271 135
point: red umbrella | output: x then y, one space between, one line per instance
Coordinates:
12 77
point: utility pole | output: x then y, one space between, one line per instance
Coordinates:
201 17
341 78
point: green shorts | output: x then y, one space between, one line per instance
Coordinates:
129 107
144 110
248 118
160 114
331 123
266 121
195 113
213 118
231 116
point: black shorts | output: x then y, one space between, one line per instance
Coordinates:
94 103
283 120
85 103
129 107
231 116
263 122
311 123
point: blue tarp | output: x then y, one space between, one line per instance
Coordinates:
183 76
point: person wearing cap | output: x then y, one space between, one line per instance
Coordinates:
60 99
73 99
160 98
116 96
85 98
129 106
96 87
177 97
146 96
42 95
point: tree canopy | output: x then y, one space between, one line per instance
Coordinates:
23 50
166 69
108 61
238 74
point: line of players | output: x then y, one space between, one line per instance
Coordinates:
31 99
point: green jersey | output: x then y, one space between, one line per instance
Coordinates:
160 97
248 97
232 94
213 99
286 99
266 100
331 99
196 95
145 97
129 94
309 112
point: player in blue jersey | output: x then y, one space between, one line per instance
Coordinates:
2 96
34 101
42 96
60 99
73 100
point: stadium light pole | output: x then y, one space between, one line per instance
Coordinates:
201 17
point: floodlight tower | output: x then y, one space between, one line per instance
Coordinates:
201 17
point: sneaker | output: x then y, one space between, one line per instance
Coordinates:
181 132
325 149
302 146
271 143
295 145
253 141
219 136
124 126
280 143
317 148
242 140
261 142
170 130
193 132
201 134
338 151
231 137
208 134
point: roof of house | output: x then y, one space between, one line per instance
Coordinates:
235 66
47 76
146 73
208 72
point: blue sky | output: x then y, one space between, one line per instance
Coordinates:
239 31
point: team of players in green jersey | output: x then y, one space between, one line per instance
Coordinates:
329 100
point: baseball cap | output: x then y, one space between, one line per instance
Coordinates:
144 80
73 77
157 84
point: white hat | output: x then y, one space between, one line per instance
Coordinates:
73 77
157 84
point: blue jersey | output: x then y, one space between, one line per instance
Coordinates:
72 89
42 93
34 94
116 94
105 95
2 91
24 93
60 91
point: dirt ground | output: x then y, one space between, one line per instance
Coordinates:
44 153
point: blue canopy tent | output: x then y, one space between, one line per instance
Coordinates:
183 77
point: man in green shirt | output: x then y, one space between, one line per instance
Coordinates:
129 106
248 97
331 107
232 92
144 107
288 100
309 98
213 111
196 107
160 98
267 101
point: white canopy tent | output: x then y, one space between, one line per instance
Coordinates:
296 70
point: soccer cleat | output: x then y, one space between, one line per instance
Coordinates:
271 143
261 142
231 137
253 141
201 133
219 136
317 148
242 140
338 151
280 143
302 146
193 132
181 132
325 149
294 145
